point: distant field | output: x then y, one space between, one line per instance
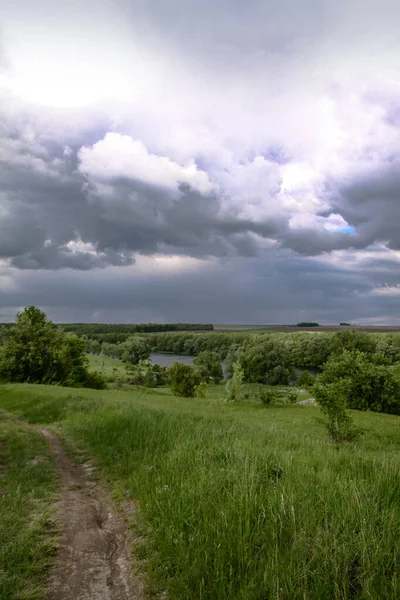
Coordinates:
290 329
237 501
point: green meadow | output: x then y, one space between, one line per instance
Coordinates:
28 486
234 500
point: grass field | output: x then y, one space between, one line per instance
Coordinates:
27 494
106 365
239 501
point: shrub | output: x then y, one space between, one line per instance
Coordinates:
184 380
369 386
266 396
305 380
292 397
94 380
233 387
332 399
279 375
146 374
209 366
201 390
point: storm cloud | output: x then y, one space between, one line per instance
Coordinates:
200 161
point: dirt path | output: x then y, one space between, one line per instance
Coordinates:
93 561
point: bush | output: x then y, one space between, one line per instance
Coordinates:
209 366
94 380
369 386
146 374
201 390
266 396
184 380
305 380
332 399
278 376
233 387
292 397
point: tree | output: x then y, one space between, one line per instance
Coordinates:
305 380
332 399
135 349
262 358
184 380
209 366
351 339
234 386
36 351
369 386
279 375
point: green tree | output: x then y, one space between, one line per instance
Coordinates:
353 340
233 387
135 349
369 386
260 360
333 401
305 380
184 380
209 366
36 351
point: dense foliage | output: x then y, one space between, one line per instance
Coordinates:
209 366
115 333
365 384
36 351
184 380
146 374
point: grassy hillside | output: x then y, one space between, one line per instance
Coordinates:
27 493
239 501
106 365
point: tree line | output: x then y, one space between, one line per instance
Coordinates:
356 367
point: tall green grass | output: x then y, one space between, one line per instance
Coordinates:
27 488
239 501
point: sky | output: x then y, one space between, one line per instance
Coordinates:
216 161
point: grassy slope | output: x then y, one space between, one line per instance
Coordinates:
26 509
106 365
239 501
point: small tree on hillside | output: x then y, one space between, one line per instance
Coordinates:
332 399
184 380
234 386
305 380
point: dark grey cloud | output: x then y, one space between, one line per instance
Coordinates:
371 203
272 289
225 82
47 205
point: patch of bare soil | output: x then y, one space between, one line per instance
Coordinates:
94 558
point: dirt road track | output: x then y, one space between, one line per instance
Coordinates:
94 559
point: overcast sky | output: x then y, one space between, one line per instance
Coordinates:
218 161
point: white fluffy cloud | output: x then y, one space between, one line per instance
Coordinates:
120 156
